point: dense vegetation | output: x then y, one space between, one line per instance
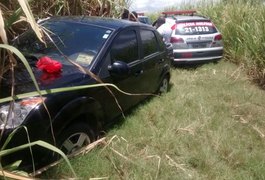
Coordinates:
242 24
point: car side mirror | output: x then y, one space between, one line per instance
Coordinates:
119 69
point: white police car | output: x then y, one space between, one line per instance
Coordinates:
194 37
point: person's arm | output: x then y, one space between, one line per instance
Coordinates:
154 24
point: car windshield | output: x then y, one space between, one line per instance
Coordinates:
195 27
77 41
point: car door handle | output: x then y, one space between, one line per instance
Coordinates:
161 61
137 73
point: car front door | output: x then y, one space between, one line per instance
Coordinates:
124 50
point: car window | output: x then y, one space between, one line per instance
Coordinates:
195 27
149 41
77 41
160 41
144 19
125 47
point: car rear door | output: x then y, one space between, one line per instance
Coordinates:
153 55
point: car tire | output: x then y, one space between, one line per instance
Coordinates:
75 137
164 86
216 61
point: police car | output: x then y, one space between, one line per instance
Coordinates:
194 37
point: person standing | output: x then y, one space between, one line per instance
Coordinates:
161 20
133 16
165 28
125 14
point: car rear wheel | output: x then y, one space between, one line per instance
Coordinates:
75 137
163 88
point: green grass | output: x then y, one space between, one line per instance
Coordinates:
209 126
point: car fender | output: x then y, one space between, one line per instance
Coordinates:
82 109
38 127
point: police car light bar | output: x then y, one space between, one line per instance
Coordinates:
179 12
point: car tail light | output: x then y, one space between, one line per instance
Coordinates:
218 37
176 40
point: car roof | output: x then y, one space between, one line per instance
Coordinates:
110 23
188 18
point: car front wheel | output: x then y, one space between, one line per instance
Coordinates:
75 137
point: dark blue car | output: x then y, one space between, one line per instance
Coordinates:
80 51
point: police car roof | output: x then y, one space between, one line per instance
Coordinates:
188 18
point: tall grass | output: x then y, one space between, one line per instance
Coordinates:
242 24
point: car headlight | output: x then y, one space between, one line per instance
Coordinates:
14 116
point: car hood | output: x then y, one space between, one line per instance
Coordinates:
69 76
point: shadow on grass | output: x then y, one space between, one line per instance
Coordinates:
118 122
192 65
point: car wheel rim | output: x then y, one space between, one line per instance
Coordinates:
164 86
75 142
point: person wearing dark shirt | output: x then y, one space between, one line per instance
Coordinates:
133 16
125 14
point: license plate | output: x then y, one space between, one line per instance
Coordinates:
199 45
